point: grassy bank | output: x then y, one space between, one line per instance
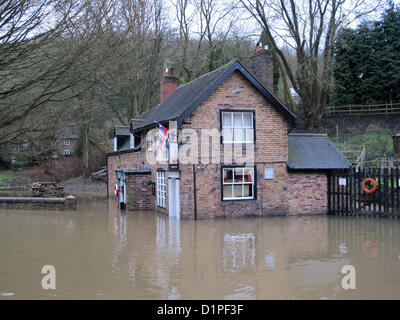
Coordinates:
378 144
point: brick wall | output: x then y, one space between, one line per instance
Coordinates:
308 193
32 203
138 193
270 152
129 160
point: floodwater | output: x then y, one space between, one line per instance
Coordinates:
101 253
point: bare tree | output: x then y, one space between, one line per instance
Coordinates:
37 57
310 28
131 80
186 13
216 20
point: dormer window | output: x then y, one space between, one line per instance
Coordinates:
132 140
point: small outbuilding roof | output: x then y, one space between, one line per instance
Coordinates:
314 152
182 102
121 131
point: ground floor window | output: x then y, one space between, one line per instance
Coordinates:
237 183
161 189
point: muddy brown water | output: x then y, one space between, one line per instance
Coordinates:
101 253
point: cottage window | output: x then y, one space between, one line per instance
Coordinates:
67 152
161 189
150 141
237 127
238 183
131 140
66 142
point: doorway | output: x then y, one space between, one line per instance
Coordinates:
173 195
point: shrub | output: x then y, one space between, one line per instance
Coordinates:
64 168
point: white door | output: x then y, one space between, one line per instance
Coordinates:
173 195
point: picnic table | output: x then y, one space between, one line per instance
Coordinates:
47 189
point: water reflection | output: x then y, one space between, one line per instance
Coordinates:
100 252
238 251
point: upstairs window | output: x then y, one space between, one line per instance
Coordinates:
66 142
237 127
150 141
132 140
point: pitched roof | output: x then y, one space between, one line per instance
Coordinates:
121 131
314 151
135 123
182 102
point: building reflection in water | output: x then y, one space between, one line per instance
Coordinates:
270 260
168 255
239 251
289 258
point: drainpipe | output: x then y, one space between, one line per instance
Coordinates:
194 192
108 175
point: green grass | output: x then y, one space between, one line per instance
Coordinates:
378 144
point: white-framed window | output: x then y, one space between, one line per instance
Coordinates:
237 183
131 140
237 127
67 142
161 189
115 144
67 152
150 142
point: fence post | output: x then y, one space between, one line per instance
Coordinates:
398 192
386 185
329 192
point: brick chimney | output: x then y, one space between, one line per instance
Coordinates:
169 83
263 67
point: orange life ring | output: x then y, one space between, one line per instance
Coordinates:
374 185
116 190
370 248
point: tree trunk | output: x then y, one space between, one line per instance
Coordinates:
85 151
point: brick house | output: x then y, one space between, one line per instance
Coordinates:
66 143
287 174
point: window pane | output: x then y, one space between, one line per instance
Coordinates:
237 190
248 175
239 135
228 135
227 192
238 175
249 135
237 119
228 174
247 122
226 119
248 190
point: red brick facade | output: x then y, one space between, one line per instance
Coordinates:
286 193
308 193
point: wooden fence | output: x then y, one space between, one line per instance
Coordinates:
363 110
346 196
